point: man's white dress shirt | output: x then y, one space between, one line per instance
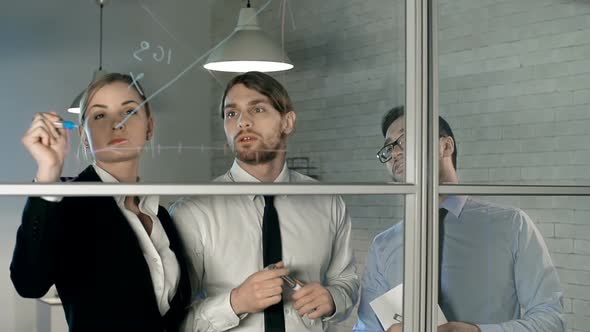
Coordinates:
223 239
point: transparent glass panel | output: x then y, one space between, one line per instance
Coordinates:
323 239
514 85
349 68
378 244
517 261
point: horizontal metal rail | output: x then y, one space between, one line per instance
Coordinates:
514 190
104 189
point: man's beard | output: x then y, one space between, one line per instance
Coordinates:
261 155
255 157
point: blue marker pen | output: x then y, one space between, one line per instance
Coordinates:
66 124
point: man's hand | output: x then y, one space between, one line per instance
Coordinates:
261 290
315 300
458 327
448 327
395 328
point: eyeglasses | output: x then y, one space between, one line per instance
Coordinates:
386 153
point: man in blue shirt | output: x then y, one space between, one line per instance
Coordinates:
496 272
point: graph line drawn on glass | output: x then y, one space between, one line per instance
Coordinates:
185 70
134 83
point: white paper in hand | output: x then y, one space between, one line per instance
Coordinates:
390 304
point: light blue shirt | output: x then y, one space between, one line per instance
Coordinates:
495 262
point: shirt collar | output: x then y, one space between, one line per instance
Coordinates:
146 203
454 204
238 174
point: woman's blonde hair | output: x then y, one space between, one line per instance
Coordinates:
106 80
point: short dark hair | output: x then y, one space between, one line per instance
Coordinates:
444 129
265 85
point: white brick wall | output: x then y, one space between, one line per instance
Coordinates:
515 86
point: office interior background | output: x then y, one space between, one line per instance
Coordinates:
514 84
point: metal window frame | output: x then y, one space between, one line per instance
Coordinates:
421 192
108 189
415 153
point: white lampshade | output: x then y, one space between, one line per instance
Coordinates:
75 107
248 49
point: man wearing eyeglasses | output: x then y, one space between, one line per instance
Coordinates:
496 273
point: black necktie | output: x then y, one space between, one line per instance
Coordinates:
442 213
272 252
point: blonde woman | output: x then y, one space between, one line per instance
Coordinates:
115 261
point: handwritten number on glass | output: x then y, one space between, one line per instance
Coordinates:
144 46
159 55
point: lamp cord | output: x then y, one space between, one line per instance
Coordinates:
100 44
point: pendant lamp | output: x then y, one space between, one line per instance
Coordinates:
98 73
248 49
